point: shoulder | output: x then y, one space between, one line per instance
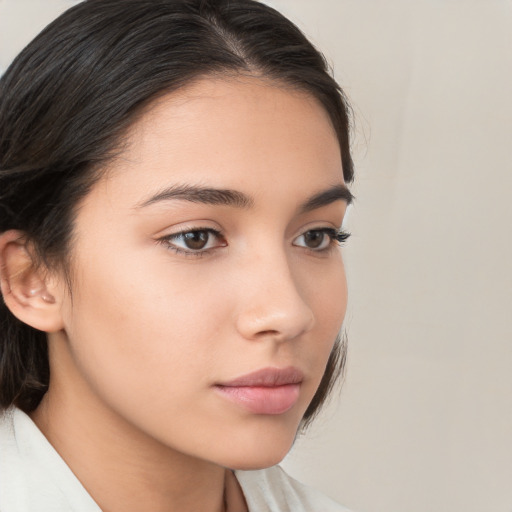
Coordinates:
32 474
272 490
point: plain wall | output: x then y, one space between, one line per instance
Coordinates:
424 422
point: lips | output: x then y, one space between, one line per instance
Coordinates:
268 391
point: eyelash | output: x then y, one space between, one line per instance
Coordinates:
337 237
168 239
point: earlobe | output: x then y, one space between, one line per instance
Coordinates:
25 285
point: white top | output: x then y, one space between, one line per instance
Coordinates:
34 478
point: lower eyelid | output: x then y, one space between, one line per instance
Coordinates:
188 254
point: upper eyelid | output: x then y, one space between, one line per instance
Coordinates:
177 234
167 241
194 230
219 232
184 228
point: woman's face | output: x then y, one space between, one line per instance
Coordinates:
204 255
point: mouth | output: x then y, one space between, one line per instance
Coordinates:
269 391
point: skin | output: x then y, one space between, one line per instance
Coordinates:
144 334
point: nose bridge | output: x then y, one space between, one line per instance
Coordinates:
273 304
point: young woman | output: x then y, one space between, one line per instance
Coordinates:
173 178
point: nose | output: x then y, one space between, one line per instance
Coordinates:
272 304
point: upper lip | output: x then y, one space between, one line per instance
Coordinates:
267 377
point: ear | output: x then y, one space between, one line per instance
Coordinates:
27 288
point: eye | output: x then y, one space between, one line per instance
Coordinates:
320 239
194 241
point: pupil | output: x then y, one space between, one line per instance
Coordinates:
314 239
196 239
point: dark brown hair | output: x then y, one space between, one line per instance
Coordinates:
67 100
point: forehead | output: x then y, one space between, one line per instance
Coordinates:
232 132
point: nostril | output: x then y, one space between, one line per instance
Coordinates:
269 332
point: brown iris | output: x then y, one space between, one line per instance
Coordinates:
196 240
314 239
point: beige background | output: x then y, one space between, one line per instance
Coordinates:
425 419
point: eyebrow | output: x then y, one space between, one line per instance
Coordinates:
237 199
336 193
197 194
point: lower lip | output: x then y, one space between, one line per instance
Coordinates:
262 400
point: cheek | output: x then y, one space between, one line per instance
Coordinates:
153 331
325 289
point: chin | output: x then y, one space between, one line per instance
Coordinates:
260 451
248 462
